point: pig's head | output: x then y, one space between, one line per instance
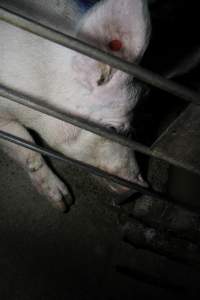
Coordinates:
121 27
104 94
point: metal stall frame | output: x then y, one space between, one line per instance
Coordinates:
140 73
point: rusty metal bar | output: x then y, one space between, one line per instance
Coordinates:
93 52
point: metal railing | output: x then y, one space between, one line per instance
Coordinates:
137 71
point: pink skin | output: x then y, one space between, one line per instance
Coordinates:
116 97
75 83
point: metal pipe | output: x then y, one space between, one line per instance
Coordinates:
140 73
89 168
78 121
93 170
90 126
93 52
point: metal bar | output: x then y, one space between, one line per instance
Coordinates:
93 170
95 128
93 52
78 121
98 172
90 126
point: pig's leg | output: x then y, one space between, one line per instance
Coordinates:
45 181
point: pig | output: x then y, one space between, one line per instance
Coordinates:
77 84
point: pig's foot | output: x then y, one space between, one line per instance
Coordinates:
46 182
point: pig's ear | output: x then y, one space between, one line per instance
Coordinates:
121 27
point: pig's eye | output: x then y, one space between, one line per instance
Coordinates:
113 129
120 130
115 45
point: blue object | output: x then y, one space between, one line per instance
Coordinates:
86 4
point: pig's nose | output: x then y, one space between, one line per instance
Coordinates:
119 189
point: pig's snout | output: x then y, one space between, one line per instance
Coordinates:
119 189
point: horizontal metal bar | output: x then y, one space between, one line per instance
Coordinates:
88 125
93 170
93 52
98 172
78 121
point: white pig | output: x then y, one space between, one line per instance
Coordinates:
78 84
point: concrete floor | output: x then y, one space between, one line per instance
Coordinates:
45 254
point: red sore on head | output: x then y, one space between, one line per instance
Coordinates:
115 45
